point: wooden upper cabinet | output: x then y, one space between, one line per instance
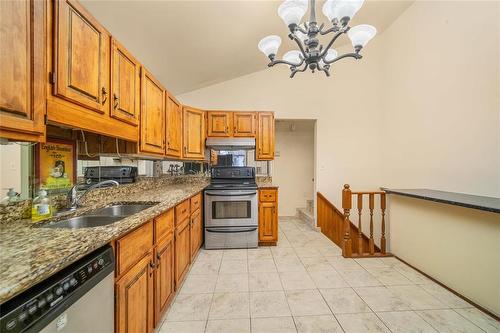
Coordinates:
125 85
244 124
22 70
82 57
174 127
152 137
134 298
265 136
193 133
219 124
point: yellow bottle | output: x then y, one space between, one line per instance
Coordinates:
41 208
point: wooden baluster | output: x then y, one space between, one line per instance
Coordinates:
360 233
382 238
346 205
371 243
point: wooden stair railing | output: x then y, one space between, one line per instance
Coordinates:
353 244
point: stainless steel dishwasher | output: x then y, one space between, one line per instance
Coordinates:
78 299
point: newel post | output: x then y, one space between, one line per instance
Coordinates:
346 206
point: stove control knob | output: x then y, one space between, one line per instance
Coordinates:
73 282
32 309
42 302
49 297
66 286
101 262
22 316
11 324
59 291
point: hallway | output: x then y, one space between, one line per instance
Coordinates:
305 285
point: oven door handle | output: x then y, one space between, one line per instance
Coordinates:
212 194
230 231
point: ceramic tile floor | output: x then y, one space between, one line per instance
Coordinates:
305 285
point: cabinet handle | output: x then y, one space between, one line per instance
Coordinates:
105 95
185 150
227 129
234 129
115 97
158 257
152 264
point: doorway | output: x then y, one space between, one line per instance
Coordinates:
294 167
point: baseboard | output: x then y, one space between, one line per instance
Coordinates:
488 312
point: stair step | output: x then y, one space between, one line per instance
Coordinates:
305 215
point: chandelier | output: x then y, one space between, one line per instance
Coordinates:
311 54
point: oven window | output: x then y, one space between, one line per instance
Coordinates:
231 209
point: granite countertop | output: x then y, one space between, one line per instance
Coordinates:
265 183
489 204
30 254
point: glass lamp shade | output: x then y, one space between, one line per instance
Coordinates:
292 57
290 12
302 4
361 34
341 8
269 45
329 10
331 54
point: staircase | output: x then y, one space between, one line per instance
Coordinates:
337 225
307 214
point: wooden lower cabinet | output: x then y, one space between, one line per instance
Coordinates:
134 298
196 233
268 217
182 251
151 262
164 278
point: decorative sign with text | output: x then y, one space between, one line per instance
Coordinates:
56 164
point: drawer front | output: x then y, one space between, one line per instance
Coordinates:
133 246
267 195
182 212
195 202
164 224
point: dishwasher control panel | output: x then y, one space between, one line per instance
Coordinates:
22 312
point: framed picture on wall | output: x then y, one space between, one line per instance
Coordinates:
55 165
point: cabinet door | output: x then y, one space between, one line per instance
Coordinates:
22 70
244 124
265 136
182 251
125 85
164 276
81 57
219 124
152 115
174 127
268 222
194 133
134 298
195 234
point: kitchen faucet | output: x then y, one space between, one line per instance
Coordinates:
74 200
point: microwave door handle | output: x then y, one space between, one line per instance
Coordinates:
229 195
230 231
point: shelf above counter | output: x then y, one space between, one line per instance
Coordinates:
490 204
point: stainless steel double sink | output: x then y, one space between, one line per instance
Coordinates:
100 217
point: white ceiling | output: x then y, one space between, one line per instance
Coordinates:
188 45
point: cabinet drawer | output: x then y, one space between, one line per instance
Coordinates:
133 246
195 202
182 212
267 195
164 224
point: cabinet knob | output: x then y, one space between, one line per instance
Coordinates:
115 97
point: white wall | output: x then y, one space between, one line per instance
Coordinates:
293 166
10 168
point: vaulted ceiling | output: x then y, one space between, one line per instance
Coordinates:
188 45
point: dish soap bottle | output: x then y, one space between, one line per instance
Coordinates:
12 196
41 208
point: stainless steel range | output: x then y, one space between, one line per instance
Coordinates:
231 209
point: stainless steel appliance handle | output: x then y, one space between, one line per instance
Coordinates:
230 230
229 194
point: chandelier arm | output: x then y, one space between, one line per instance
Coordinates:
347 55
324 69
299 43
298 70
275 62
326 32
329 45
299 28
